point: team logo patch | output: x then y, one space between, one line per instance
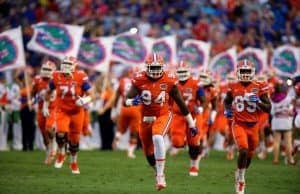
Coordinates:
254 90
130 48
163 86
54 37
73 83
91 52
286 62
192 55
8 51
163 49
223 66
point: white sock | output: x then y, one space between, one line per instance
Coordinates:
159 153
196 162
73 158
61 150
241 174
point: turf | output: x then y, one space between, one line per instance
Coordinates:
113 173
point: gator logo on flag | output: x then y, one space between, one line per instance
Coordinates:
286 61
8 51
130 48
91 52
163 49
223 66
255 60
192 55
54 37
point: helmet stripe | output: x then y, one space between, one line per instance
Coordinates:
154 58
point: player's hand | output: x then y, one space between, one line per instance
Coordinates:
79 101
228 113
87 132
136 101
198 110
193 131
253 98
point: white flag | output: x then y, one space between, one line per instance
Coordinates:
166 47
58 40
96 53
286 60
223 63
131 48
195 53
257 56
11 49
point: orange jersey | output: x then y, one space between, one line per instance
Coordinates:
221 96
68 89
124 87
155 93
243 110
41 85
188 91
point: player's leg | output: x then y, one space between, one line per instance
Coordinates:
194 153
160 127
253 141
41 122
76 125
122 125
145 134
50 130
241 140
62 124
134 126
177 133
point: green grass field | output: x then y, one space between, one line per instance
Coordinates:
114 173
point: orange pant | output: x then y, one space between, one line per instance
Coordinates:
159 127
245 137
45 123
180 132
130 117
71 123
220 124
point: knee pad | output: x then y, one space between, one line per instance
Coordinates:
61 139
73 147
194 151
151 160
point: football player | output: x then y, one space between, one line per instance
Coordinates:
191 91
46 124
130 116
153 88
243 101
72 93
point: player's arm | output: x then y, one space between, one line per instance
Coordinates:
117 97
49 91
228 104
131 98
264 104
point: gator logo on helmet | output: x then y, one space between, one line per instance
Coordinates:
192 55
8 51
286 61
258 64
223 66
163 49
91 52
54 37
129 48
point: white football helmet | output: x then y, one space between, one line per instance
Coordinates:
68 65
154 66
182 71
245 70
47 69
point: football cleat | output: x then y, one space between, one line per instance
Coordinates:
60 160
160 182
131 155
240 187
193 171
74 168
